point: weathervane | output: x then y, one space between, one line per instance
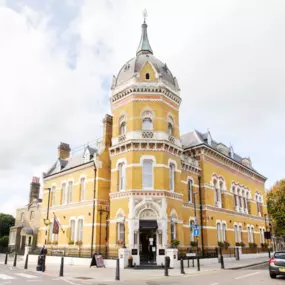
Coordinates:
144 14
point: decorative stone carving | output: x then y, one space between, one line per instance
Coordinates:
147 215
147 134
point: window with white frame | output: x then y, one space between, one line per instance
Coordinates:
32 215
122 173
22 217
248 234
72 230
69 194
51 231
63 193
53 196
217 196
147 124
173 231
171 177
190 190
170 129
123 128
121 232
219 236
80 230
240 233
252 235
147 174
82 189
224 232
192 231
235 197
236 233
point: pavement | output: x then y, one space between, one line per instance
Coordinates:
85 275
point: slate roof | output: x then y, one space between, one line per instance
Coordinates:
76 159
195 138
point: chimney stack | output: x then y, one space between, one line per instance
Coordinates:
107 130
63 150
34 189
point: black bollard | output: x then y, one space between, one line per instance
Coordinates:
44 263
6 258
15 260
269 255
198 263
182 266
237 253
166 266
61 267
222 262
118 270
26 262
193 264
188 262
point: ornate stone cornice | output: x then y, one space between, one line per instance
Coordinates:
145 193
139 89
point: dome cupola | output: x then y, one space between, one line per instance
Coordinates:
133 70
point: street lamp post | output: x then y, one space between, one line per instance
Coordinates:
47 222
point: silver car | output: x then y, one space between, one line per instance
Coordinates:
277 264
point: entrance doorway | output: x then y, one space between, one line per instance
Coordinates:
147 242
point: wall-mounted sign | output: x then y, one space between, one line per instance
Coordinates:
134 251
161 251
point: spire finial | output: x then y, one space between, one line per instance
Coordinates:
144 46
144 15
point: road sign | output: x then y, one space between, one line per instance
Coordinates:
196 232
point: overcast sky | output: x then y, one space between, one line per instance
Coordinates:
57 59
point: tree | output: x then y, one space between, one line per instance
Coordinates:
276 207
6 221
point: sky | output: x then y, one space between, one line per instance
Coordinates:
57 59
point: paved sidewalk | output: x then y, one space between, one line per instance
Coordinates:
76 272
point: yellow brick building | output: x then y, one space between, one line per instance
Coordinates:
145 185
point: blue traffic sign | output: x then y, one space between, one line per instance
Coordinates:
196 232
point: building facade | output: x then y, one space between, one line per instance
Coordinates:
145 186
25 231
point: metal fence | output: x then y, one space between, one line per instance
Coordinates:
106 252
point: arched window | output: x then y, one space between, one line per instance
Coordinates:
170 129
69 194
82 189
147 175
123 128
122 173
173 231
147 124
171 177
252 235
147 76
219 232
80 230
72 230
63 193
192 231
190 190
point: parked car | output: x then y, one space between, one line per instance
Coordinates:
277 264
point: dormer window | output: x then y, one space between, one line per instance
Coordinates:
147 76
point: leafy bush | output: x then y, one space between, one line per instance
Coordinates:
193 243
242 244
221 244
175 242
226 244
4 241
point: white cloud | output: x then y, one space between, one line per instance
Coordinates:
227 55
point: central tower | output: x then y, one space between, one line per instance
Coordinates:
145 154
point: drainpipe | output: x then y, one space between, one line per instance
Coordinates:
201 215
93 214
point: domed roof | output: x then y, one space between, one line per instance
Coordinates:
133 66
145 54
